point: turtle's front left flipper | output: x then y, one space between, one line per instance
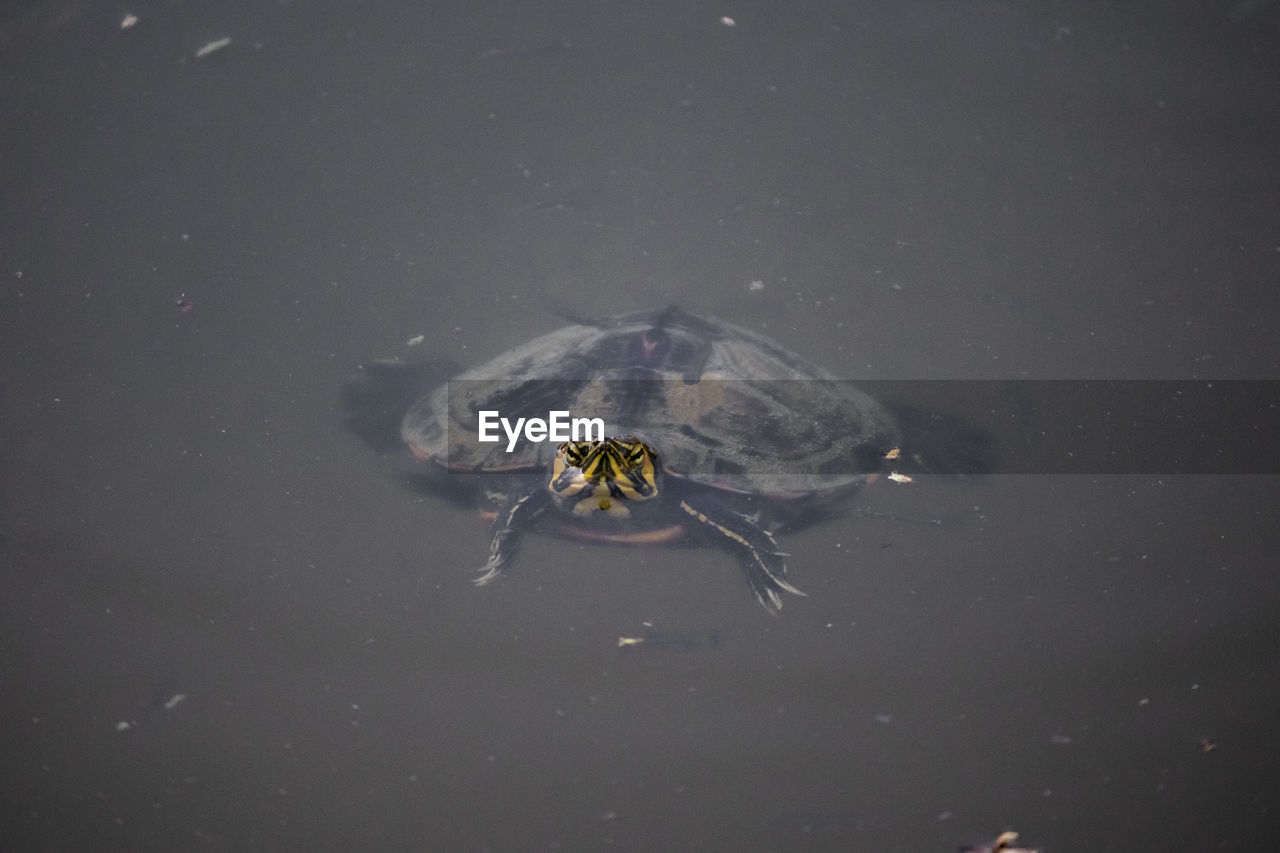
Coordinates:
513 521
765 566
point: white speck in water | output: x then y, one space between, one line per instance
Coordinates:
212 47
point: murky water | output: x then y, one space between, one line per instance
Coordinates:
197 252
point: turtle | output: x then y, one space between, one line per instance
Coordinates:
707 433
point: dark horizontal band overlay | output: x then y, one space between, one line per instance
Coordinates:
1206 427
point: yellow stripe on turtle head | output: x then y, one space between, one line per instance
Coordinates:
602 475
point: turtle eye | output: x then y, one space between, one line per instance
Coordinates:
574 452
637 454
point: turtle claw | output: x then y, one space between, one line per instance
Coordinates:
767 573
789 588
510 524
490 570
500 549
771 605
767 578
764 564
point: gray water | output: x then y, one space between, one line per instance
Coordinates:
227 625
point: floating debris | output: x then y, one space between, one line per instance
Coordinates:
673 641
728 22
128 21
1002 844
899 478
415 340
164 699
755 286
893 454
212 47
1208 745
1005 843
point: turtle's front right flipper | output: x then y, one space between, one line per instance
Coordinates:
765 566
513 521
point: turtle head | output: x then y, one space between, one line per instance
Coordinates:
604 477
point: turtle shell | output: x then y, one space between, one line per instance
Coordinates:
724 407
